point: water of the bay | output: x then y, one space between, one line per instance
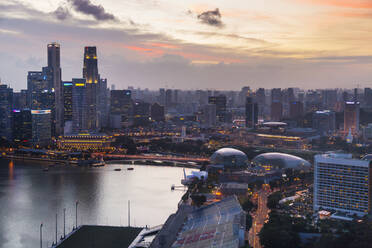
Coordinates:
30 196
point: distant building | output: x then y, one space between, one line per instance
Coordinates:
20 99
157 112
367 132
324 122
220 102
85 142
141 113
22 126
6 102
276 111
351 118
342 184
121 108
52 74
79 109
103 103
41 127
251 112
296 109
67 103
90 73
368 97
209 117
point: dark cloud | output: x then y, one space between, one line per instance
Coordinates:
62 13
88 8
211 17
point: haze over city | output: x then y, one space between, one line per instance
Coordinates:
194 44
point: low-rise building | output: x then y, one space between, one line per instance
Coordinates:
85 142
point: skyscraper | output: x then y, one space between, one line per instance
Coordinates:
276 104
351 118
6 102
22 126
121 108
90 73
324 122
67 103
79 114
55 82
251 112
220 102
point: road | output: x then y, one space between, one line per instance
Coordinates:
259 218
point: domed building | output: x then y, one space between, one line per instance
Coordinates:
228 157
280 161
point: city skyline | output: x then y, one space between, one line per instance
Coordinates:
194 45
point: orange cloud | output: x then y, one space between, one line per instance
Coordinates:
357 4
163 45
146 51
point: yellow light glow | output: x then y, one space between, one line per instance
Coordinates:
79 84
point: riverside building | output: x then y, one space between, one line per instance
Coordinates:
342 184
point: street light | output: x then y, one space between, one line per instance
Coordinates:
41 235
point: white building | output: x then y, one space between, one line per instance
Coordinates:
342 184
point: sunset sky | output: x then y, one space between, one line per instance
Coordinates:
194 44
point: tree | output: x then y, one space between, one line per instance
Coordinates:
126 143
273 199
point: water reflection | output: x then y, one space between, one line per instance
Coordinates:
29 196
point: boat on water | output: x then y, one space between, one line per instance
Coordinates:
130 168
117 169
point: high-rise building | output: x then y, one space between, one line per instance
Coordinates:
209 115
20 99
324 122
41 127
342 184
67 103
157 112
102 103
6 103
141 113
54 76
251 112
296 109
90 73
22 126
276 104
351 118
368 97
220 102
79 109
329 99
121 108
168 99
36 86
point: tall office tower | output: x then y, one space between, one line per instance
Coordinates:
261 101
22 126
276 104
36 86
244 92
342 184
220 102
368 97
55 82
251 112
141 113
168 99
102 103
175 97
296 109
324 122
6 103
329 99
41 127
209 115
67 103
90 73
351 118
79 109
121 108
291 95
157 112
20 99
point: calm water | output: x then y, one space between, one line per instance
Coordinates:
29 196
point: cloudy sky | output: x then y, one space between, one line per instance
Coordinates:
194 44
